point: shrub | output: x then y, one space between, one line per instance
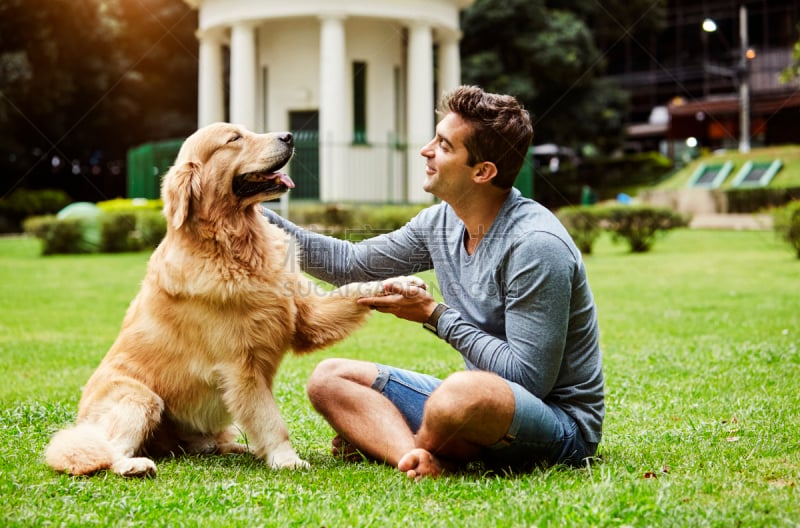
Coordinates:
23 203
132 224
130 204
583 225
352 222
787 224
116 232
640 225
58 236
151 226
759 198
372 221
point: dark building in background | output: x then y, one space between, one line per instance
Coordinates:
685 82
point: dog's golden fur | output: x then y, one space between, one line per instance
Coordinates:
221 303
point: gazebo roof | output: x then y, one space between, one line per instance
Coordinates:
440 14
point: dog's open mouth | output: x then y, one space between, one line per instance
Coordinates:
267 182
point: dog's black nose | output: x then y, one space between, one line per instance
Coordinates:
287 138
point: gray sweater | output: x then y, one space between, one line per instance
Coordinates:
521 303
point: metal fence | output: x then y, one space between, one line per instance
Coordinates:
147 164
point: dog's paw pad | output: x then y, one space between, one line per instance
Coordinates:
134 467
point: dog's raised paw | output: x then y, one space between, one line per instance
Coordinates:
134 467
405 282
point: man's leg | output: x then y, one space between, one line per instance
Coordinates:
467 412
341 391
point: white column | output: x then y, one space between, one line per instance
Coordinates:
449 62
210 93
333 107
243 75
420 107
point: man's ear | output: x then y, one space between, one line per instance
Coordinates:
180 187
485 172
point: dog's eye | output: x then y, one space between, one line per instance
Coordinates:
235 137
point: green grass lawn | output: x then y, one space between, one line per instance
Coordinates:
700 340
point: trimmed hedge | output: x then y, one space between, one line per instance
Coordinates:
352 222
760 198
640 225
142 228
65 236
637 225
22 203
127 226
119 232
583 224
786 222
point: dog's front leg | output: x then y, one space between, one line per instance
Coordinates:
254 409
323 319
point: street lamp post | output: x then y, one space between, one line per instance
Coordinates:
741 74
744 83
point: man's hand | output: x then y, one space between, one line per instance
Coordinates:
405 299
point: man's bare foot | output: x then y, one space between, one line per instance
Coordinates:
341 448
419 463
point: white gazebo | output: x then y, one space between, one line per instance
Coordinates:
356 80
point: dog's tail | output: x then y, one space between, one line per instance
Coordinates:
80 450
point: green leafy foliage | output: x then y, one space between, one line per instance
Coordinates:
549 57
353 222
759 198
119 231
638 225
59 236
82 81
131 204
116 232
792 71
786 222
583 225
151 226
22 203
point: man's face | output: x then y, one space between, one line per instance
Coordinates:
446 169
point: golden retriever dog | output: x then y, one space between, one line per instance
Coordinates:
222 302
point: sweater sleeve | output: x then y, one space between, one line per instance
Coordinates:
536 280
401 252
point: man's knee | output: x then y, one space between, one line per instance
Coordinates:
321 378
463 395
332 375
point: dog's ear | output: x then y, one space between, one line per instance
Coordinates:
180 187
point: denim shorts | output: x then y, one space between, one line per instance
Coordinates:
539 432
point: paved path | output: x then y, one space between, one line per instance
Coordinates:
739 222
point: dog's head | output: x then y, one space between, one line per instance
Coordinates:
223 168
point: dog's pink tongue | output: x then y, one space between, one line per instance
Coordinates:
285 179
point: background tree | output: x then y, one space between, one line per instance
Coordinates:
81 82
792 72
160 46
551 56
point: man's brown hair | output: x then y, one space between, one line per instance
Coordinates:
501 129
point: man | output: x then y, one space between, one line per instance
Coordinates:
518 308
